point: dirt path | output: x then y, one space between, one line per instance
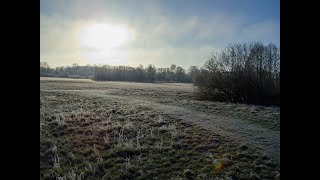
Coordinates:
264 140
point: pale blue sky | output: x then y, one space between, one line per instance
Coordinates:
181 32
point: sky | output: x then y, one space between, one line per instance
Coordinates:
158 32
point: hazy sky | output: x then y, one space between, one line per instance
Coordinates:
159 32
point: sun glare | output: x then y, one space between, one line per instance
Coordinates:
103 36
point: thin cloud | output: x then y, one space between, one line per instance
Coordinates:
159 38
265 31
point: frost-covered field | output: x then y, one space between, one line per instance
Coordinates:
122 130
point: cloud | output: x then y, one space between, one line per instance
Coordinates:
58 40
219 27
165 56
57 35
268 31
159 38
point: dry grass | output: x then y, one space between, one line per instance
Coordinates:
90 137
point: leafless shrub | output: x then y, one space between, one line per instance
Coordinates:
247 73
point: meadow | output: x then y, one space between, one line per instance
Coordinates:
126 130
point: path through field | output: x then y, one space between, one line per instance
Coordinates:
266 140
255 127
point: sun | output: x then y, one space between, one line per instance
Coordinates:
99 36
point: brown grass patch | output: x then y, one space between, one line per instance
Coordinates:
90 130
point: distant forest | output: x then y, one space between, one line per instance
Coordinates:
122 73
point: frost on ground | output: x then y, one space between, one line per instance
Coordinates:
119 130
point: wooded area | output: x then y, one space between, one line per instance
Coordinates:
246 73
122 73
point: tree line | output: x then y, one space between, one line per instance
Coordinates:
74 71
241 72
122 73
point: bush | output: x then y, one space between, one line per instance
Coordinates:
246 73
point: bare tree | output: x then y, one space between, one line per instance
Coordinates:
247 73
192 72
151 72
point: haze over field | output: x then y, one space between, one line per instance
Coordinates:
159 89
150 32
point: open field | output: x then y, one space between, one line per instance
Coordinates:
120 130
